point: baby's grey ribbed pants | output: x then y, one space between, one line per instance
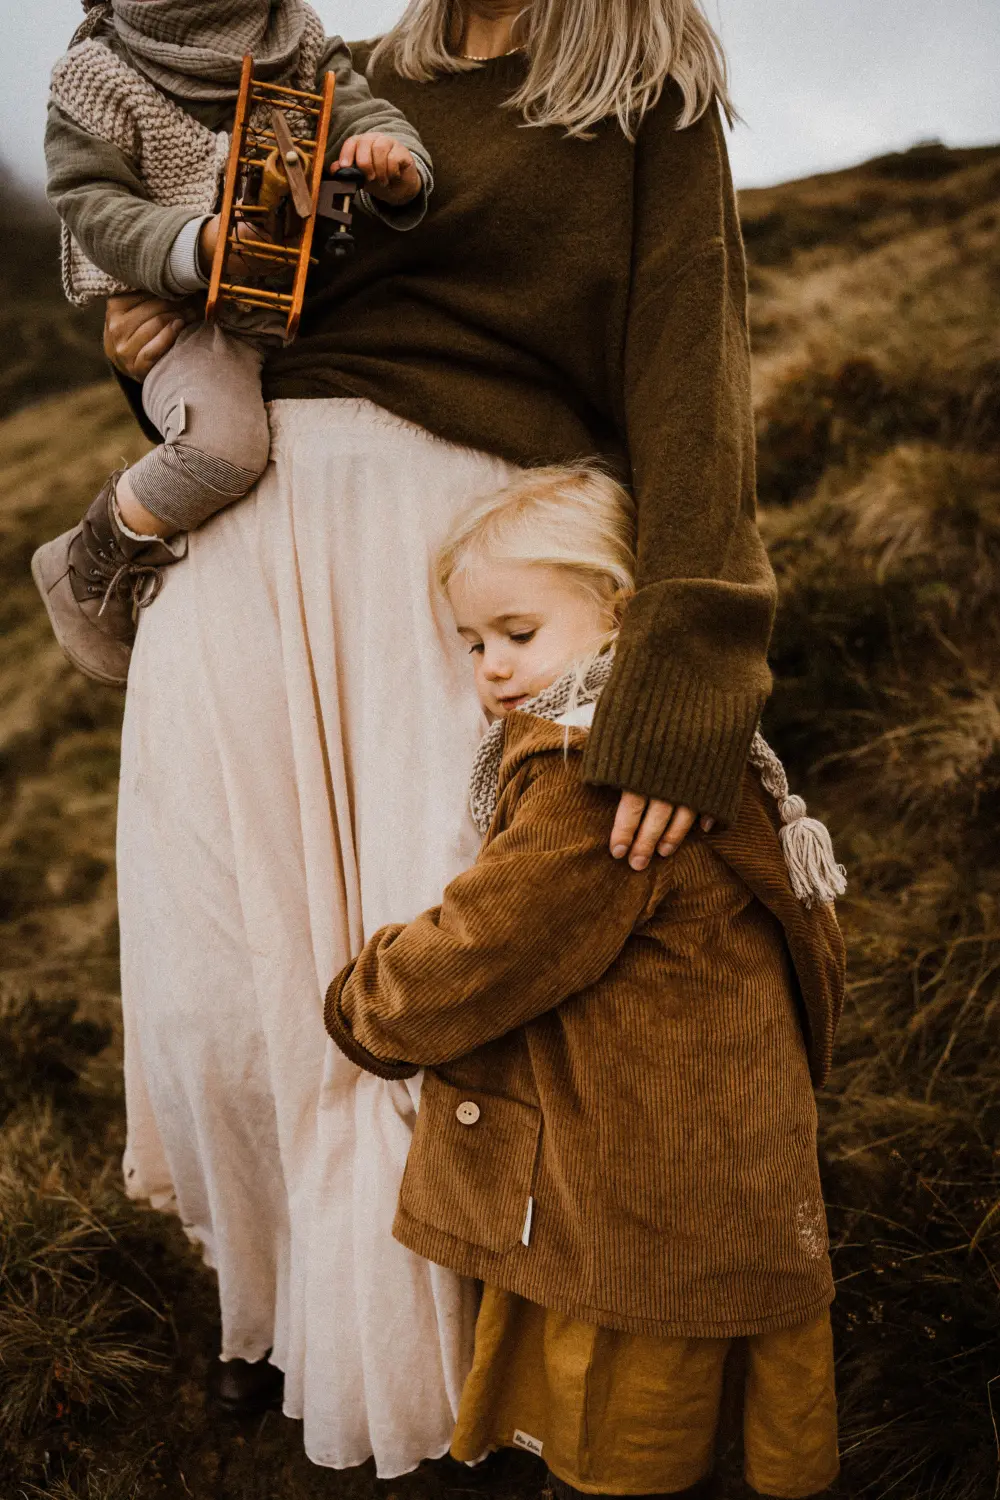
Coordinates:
204 396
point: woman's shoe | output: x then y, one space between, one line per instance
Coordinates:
94 580
245 1389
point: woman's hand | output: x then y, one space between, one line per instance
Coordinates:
644 825
140 328
391 173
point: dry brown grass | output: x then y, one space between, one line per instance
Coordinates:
879 402
876 309
45 345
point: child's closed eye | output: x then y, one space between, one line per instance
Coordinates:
523 637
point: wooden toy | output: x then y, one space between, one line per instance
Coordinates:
274 194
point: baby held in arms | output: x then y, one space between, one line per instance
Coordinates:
136 145
617 1128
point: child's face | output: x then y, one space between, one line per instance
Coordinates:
524 623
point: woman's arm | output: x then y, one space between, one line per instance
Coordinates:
691 676
540 916
138 330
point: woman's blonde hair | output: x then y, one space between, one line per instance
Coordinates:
588 60
574 517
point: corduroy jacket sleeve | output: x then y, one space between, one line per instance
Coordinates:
690 675
541 915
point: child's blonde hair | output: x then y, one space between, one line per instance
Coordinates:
569 516
574 517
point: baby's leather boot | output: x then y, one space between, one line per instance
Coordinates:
94 580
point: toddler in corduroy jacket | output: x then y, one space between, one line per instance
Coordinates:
617 1131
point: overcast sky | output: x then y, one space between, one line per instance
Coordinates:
821 83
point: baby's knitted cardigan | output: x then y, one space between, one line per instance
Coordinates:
179 160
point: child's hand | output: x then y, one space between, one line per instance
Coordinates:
390 171
236 265
644 824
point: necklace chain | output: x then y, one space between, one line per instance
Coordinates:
471 57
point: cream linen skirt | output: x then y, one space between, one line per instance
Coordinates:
299 730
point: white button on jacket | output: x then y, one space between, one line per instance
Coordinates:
467 1112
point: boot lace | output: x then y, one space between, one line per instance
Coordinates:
140 581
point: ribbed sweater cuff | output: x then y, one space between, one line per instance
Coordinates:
660 731
184 272
336 1024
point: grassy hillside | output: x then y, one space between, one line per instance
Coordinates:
876 302
45 345
877 330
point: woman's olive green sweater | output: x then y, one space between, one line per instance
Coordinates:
566 298
569 297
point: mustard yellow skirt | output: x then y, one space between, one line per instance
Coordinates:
625 1414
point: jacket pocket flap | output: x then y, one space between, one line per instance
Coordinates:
471 1164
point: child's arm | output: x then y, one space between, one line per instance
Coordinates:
95 190
541 915
399 182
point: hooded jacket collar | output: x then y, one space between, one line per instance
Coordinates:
578 686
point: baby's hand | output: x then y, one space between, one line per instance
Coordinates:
237 265
390 171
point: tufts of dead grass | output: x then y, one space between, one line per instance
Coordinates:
45 345
843 417
86 1325
867 206
887 658
878 411
79 1330
45 1051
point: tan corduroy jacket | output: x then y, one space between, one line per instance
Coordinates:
617 1120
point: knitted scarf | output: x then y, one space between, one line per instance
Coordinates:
805 842
194 48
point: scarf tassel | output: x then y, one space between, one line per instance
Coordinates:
808 849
